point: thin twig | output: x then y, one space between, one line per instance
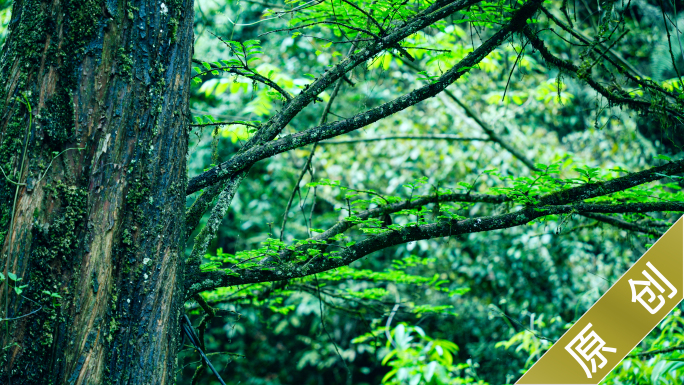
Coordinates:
669 43
320 304
510 75
224 124
294 191
307 164
361 30
190 332
485 127
370 17
620 223
241 72
455 138
654 352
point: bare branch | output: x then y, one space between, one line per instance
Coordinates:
621 223
307 164
454 138
493 136
225 124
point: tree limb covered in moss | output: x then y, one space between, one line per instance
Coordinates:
612 97
593 190
345 225
213 279
307 164
256 151
217 213
437 11
571 195
555 203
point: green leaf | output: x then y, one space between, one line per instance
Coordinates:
430 371
20 289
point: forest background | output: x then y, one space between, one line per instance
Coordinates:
479 307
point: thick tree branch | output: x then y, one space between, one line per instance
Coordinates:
327 131
317 264
345 225
200 206
217 213
638 105
437 11
571 195
592 190
555 203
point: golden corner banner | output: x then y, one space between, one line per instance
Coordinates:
619 320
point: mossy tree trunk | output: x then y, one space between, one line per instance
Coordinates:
93 142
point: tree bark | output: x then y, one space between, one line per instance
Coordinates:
93 128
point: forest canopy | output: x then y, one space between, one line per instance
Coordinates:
377 191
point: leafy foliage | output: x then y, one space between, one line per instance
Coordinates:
477 290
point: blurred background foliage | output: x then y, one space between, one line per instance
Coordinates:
478 308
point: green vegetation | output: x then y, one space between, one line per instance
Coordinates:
377 192
519 129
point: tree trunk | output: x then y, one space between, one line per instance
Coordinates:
93 129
